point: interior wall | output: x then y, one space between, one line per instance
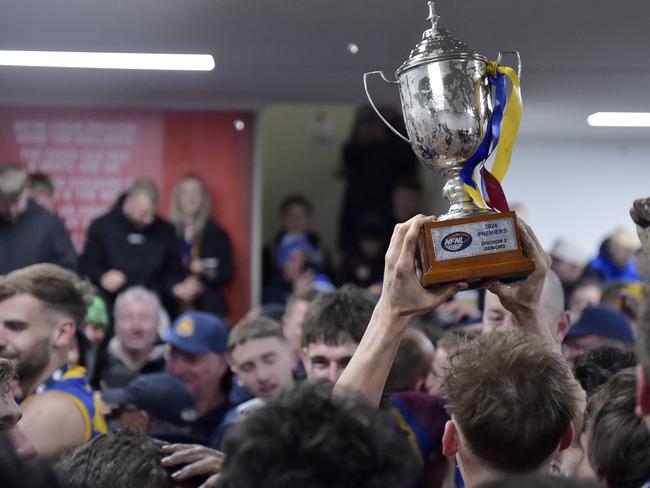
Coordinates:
300 150
581 190
93 155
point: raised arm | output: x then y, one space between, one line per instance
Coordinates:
402 297
524 298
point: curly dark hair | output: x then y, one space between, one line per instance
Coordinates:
123 458
337 316
513 398
309 438
596 366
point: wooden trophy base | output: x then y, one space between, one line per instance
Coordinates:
475 249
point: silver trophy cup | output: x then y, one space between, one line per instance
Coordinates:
446 105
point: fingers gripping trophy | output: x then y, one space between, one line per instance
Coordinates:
454 123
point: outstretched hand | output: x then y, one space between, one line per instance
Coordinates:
194 461
402 294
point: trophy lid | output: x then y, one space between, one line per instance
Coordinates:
438 44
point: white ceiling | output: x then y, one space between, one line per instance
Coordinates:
580 56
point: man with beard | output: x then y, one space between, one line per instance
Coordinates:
41 307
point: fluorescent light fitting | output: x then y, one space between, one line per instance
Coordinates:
619 119
64 59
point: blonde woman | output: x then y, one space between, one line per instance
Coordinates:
204 246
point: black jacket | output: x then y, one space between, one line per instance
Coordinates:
38 236
114 369
215 244
148 257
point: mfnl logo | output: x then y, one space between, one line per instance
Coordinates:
456 241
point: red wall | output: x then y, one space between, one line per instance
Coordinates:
93 155
208 144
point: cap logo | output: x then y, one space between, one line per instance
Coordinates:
185 328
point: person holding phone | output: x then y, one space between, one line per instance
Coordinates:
204 246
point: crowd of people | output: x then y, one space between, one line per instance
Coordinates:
119 367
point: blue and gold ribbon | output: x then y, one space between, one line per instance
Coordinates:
500 134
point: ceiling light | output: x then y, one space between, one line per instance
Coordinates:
353 48
62 59
619 119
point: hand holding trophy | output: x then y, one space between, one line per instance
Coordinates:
453 126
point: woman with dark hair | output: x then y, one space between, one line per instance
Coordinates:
205 248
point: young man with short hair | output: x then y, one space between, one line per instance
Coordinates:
511 405
41 307
292 320
332 330
260 357
403 297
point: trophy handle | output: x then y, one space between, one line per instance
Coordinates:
372 104
516 53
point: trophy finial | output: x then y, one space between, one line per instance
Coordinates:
433 18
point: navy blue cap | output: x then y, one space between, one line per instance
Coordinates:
197 333
604 322
161 395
